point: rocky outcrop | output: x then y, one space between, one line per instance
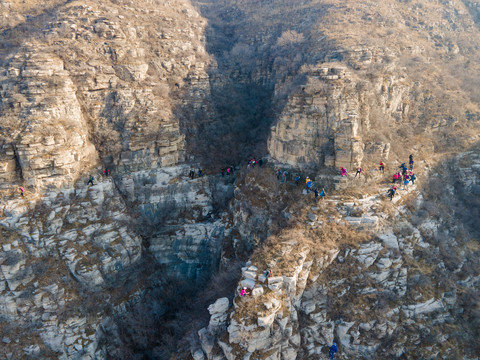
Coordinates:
364 293
42 113
88 237
52 247
94 81
183 231
83 84
328 122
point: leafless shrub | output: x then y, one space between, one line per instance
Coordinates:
290 37
106 139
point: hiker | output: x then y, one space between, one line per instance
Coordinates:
391 192
395 178
322 193
229 170
267 273
244 292
410 164
90 180
22 191
297 179
106 172
279 174
410 158
344 171
308 184
359 172
412 178
333 349
316 194
382 167
200 172
404 168
405 183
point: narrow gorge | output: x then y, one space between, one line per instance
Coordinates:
147 260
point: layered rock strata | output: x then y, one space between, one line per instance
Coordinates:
81 84
89 75
87 237
329 121
378 289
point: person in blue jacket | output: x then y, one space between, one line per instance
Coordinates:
332 351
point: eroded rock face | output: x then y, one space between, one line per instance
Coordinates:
329 121
385 289
86 238
45 117
54 246
82 84
95 79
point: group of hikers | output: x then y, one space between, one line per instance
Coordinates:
91 179
358 172
405 176
199 172
253 162
282 176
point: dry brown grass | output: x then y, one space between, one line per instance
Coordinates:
281 252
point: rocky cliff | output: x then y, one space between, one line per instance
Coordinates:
356 271
347 81
329 122
85 77
85 86
151 90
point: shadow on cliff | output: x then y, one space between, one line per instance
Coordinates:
237 127
155 325
255 68
29 29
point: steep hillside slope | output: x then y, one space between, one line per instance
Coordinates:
384 279
84 86
350 84
154 90
80 77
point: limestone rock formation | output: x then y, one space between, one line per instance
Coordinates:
84 84
129 86
89 75
363 294
328 122
52 145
